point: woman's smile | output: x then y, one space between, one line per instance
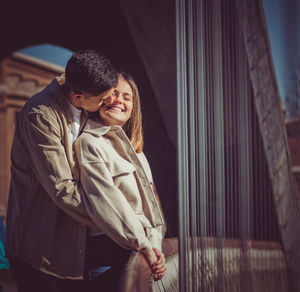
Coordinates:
116 110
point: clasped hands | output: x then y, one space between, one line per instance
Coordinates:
156 260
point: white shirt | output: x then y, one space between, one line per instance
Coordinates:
76 121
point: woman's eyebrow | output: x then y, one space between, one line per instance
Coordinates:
127 93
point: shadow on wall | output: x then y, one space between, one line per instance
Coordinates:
103 28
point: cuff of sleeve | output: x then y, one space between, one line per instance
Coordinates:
146 246
144 250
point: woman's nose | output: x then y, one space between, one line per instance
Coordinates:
117 99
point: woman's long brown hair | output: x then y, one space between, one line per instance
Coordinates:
133 127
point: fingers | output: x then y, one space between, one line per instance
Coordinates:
159 267
159 275
160 256
150 256
160 260
157 251
159 264
156 260
160 271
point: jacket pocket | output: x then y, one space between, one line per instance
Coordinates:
120 166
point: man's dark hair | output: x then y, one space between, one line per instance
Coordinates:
88 71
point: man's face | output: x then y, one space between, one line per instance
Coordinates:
92 103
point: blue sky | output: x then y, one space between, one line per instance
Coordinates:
48 52
283 25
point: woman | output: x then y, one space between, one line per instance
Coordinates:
117 179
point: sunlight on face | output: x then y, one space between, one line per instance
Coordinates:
93 103
116 110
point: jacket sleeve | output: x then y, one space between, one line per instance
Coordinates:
106 204
39 138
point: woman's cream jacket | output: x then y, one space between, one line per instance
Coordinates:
118 186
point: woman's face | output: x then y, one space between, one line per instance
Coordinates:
117 109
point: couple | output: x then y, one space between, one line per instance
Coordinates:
82 197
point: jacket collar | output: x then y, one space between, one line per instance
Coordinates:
97 129
56 91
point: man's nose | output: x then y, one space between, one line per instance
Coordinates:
109 99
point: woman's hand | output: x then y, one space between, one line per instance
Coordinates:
156 261
159 268
150 256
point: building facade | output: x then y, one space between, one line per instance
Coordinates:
21 76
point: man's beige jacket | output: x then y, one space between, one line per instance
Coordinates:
46 220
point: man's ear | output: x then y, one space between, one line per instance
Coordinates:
76 98
76 95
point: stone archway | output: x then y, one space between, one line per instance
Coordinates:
103 28
19 80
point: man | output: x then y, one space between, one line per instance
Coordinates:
46 219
